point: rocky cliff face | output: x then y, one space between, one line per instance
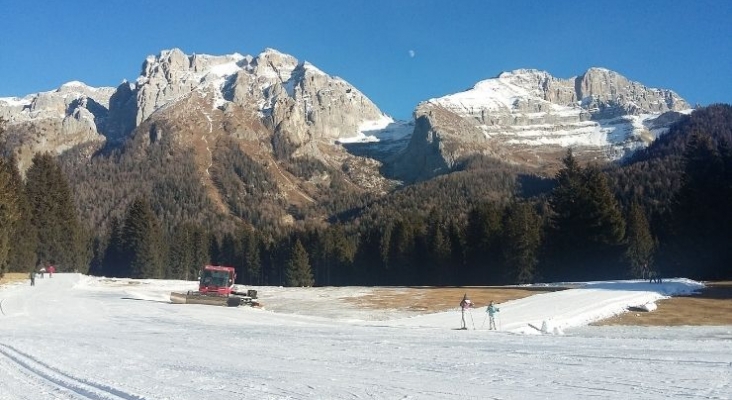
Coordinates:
525 116
299 103
296 98
530 117
55 121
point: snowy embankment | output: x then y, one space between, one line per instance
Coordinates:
78 337
561 310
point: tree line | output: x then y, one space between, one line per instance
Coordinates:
663 211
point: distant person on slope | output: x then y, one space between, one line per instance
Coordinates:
33 278
465 304
492 310
51 270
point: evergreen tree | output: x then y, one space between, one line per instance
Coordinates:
439 249
10 209
401 252
187 254
61 239
587 226
640 243
214 250
521 242
297 267
201 256
115 262
701 235
368 260
340 253
483 245
143 240
251 253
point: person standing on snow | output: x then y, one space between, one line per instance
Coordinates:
51 270
492 310
33 278
465 304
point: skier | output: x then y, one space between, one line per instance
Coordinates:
33 278
51 270
492 310
465 304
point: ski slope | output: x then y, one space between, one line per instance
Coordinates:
78 337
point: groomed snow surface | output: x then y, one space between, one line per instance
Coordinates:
79 337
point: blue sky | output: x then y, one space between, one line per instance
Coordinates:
398 52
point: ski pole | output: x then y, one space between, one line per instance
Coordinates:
471 319
484 318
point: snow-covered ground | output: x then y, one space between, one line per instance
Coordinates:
78 337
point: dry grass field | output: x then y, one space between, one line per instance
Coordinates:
434 299
713 306
13 277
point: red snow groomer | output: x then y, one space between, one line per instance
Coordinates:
216 288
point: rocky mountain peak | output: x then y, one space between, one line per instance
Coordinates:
529 116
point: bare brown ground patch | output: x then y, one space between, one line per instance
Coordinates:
10 277
711 307
435 299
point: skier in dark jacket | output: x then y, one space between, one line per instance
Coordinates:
33 278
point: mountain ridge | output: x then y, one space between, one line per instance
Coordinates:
315 137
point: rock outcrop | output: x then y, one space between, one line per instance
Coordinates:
299 103
299 100
529 117
55 121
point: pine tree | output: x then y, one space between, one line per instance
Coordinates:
115 262
252 257
401 252
143 240
640 242
228 250
187 254
297 267
340 253
10 212
61 239
439 249
587 225
521 242
701 232
368 261
22 256
483 245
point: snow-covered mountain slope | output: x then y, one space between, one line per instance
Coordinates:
525 114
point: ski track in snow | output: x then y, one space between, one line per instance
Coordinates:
41 374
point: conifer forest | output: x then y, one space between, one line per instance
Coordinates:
666 210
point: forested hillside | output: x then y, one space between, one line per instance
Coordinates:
664 210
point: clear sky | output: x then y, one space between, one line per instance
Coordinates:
398 52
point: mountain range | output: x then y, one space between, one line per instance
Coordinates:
234 130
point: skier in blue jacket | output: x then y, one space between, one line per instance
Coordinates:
492 310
